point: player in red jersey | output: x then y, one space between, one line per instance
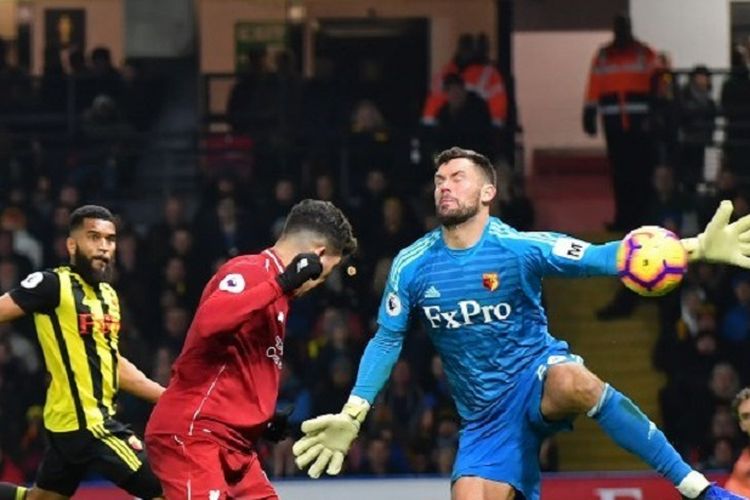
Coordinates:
222 394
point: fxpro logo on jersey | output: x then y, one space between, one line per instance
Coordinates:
469 312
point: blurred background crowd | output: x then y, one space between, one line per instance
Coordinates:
287 139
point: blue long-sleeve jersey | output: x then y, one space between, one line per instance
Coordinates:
481 306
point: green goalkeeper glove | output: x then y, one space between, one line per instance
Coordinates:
722 242
328 438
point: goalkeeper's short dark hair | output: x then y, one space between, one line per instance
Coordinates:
88 212
325 219
478 159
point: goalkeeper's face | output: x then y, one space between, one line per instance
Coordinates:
459 192
92 250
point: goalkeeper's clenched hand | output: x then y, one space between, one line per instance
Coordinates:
722 242
328 438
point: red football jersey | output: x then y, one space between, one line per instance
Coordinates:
225 382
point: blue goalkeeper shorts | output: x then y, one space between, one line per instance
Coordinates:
504 444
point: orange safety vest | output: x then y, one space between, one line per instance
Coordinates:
620 81
483 79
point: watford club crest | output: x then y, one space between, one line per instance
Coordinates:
490 281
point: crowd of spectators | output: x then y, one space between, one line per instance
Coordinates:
239 207
164 262
72 80
161 269
704 345
81 121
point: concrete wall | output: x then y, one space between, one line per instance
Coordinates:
551 72
448 18
691 31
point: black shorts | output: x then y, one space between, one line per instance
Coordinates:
111 450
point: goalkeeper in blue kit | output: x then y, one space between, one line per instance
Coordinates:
476 284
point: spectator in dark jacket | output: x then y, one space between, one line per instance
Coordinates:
464 120
697 115
735 103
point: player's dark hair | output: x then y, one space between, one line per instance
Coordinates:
741 396
88 212
478 159
325 219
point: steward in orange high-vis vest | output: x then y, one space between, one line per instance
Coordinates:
471 63
619 88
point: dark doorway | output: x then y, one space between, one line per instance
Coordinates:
385 60
739 16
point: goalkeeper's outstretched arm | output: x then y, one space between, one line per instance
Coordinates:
377 362
557 254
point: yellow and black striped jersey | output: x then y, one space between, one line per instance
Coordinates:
78 327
